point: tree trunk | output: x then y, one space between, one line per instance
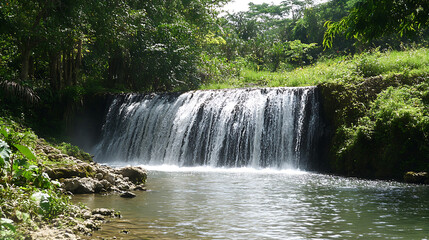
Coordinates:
25 60
77 63
53 71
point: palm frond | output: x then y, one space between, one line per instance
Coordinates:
12 89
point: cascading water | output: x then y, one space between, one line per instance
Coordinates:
273 127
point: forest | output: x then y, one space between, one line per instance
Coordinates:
56 52
369 58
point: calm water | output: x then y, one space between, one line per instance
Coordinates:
205 203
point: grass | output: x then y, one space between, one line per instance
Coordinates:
409 63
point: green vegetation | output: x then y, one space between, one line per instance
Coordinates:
54 54
412 63
28 197
371 19
391 137
376 102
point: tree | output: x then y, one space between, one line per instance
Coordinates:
370 19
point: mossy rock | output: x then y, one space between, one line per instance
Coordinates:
70 171
416 177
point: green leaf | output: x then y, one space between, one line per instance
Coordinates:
45 204
43 199
4 133
22 216
8 223
4 152
25 151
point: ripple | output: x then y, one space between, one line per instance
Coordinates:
208 203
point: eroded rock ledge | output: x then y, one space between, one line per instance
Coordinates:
83 177
77 176
96 178
84 221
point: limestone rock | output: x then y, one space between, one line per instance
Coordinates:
82 185
103 211
79 170
136 175
128 195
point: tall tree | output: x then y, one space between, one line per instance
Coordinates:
370 19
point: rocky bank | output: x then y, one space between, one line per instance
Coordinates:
84 177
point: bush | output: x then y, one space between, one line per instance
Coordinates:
74 151
27 194
391 138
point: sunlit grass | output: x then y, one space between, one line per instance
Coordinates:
409 63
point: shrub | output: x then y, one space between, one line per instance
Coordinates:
392 137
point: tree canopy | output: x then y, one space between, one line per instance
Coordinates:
370 19
140 45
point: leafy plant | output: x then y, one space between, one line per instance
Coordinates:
7 228
391 138
74 151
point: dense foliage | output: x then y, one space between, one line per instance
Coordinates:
391 138
27 194
370 19
136 45
379 116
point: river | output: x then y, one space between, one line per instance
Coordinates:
244 203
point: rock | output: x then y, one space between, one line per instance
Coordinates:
62 172
136 175
110 178
98 217
103 211
128 195
98 186
83 229
91 224
123 186
99 176
140 187
82 185
106 185
78 170
125 231
87 215
49 233
419 177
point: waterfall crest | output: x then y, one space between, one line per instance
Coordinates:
273 127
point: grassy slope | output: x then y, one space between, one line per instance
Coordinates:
342 69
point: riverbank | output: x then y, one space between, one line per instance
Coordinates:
37 180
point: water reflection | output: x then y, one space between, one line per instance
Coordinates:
228 204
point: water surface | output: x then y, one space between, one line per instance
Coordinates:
210 203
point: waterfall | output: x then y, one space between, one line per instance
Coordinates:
272 127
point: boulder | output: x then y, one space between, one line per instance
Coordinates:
103 211
128 195
63 172
123 185
140 187
106 185
82 185
136 175
110 177
99 176
70 171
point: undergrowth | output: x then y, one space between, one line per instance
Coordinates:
409 63
27 195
